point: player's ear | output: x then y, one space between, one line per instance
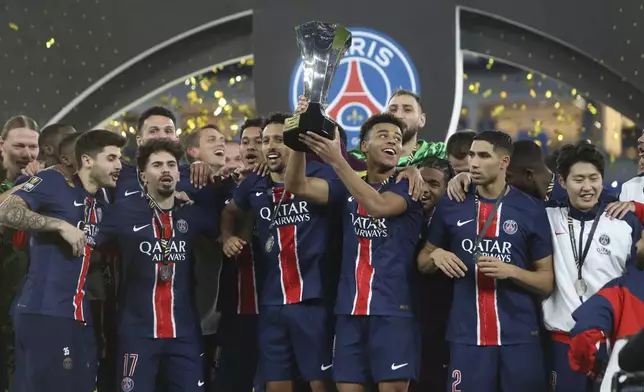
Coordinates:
423 118
138 140
363 146
143 178
193 152
86 160
505 161
529 174
562 181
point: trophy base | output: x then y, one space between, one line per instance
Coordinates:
312 120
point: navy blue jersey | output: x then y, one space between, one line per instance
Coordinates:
130 184
149 306
56 280
378 258
486 311
293 268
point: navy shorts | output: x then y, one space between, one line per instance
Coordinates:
380 348
295 339
236 362
178 361
562 377
54 353
508 368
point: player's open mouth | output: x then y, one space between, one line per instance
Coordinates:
115 176
389 151
220 153
587 196
166 180
640 149
250 157
273 156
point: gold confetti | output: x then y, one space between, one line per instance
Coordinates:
13 26
50 43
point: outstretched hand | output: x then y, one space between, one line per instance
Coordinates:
328 150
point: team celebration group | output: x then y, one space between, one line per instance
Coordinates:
400 265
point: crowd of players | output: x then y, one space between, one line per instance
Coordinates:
400 265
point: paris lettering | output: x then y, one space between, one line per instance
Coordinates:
288 213
371 49
492 248
369 227
154 250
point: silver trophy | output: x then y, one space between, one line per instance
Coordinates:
322 46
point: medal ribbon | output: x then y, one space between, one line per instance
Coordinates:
579 261
551 187
272 223
164 240
488 221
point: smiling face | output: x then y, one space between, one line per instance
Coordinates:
584 184
275 152
383 145
434 187
212 147
251 145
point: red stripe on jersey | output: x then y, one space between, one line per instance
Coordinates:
246 287
163 296
488 318
292 284
364 274
79 312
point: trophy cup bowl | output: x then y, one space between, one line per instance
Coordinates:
322 46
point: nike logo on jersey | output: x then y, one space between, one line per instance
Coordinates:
350 199
139 228
459 223
396 367
227 201
326 367
128 193
200 383
258 193
77 204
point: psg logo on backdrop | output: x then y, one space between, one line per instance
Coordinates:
372 69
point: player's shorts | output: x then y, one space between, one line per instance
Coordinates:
381 348
562 377
295 338
54 353
508 368
178 362
237 355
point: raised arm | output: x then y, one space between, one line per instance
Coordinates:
378 205
315 190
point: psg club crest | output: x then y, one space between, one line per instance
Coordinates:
182 226
510 227
604 239
373 68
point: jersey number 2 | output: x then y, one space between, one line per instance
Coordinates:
456 376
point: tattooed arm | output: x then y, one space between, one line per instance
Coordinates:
15 214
